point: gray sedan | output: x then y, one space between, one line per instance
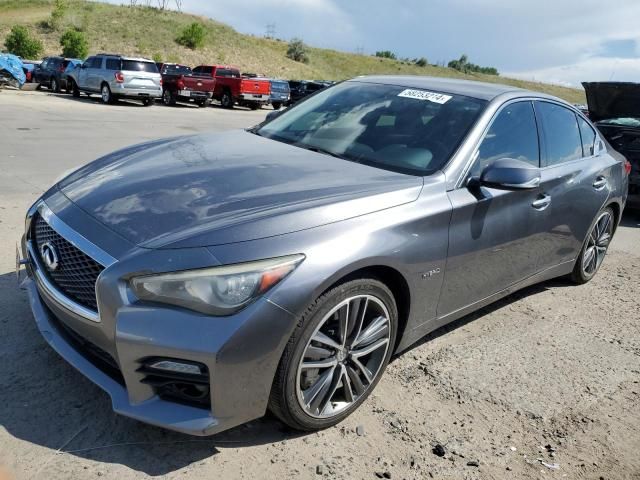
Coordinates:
202 280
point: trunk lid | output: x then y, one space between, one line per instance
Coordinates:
255 86
608 100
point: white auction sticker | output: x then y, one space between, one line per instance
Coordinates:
440 98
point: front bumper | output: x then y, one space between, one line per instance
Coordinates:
241 352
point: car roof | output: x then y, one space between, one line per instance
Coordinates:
124 57
469 88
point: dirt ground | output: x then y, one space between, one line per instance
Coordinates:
544 384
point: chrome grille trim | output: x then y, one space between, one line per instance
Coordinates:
76 240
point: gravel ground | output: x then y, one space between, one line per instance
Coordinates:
543 384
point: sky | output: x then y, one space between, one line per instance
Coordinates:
555 41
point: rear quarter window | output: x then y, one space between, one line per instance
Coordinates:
113 64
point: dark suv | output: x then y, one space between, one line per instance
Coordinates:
50 72
303 88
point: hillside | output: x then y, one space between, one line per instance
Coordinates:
149 32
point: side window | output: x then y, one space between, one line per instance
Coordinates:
561 133
588 137
45 63
513 134
113 64
96 62
88 62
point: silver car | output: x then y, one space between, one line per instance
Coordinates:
201 280
115 76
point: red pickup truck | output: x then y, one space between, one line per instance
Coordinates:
231 88
179 84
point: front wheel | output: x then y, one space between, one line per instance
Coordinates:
595 247
336 355
168 98
276 105
75 89
204 103
54 86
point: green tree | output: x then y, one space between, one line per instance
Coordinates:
386 54
74 44
57 14
297 51
421 62
192 36
20 42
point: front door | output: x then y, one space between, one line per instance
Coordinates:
493 233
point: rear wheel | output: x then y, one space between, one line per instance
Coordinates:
105 94
148 102
168 98
54 85
276 105
595 247
336 355
75 89
227 100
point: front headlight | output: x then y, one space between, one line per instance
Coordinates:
215 291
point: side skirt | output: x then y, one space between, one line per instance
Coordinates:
420 331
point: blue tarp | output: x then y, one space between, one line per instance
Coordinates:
12 65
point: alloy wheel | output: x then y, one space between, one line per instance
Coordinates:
597 243
344 356
106 94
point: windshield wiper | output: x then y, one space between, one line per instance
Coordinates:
320 150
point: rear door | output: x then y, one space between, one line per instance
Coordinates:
94 74
575 178
83 73
493 233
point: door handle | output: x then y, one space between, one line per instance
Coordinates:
600 183
541 202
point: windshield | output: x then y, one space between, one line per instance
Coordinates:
396 128
176 70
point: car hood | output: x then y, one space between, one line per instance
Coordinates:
213 189
608 100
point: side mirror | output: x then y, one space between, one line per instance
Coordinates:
510 174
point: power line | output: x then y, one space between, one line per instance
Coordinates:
271 30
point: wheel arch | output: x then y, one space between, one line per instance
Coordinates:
389 276
617 212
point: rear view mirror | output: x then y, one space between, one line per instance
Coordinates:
510 174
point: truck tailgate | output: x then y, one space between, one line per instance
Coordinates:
199 84
256 87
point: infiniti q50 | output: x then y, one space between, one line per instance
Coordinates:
202 280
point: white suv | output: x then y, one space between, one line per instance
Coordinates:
115 76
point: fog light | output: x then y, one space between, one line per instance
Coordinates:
176 367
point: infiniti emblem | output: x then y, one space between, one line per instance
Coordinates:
49 256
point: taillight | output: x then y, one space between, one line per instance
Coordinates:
160 81
627 167
180 84
119 77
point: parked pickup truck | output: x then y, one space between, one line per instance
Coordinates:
179 85
232 89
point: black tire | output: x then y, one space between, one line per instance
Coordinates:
581 274
148 102
227 100
283 401
276 105
75 90
54 86
168 98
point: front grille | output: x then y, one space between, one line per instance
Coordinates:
76 273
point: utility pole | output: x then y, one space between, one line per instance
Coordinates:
271 30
